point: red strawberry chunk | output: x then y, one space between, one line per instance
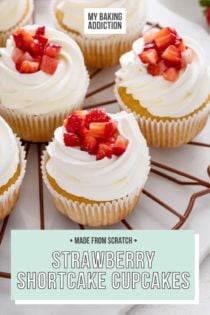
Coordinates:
29 67
49 65
154 70
120 145
149 56
180 44
52 50
40 31
41 39
187 57
73 123
165 37
102 130
171 74
71 140
89 144
172 54
149 36
104 150
96 115
17 55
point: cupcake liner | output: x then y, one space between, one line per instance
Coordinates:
169 134
104 51
25 20
9 198
36 128
95 215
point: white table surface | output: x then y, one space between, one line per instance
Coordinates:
164 17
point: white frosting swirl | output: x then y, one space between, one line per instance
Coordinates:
9 153
159 96
73 11
80 174
40 93
11 13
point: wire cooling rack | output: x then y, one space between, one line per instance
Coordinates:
164 171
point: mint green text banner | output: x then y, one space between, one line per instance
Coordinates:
108 265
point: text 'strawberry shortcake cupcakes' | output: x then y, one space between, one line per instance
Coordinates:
14 14
12 168
45 79
96 167
100 51
165 82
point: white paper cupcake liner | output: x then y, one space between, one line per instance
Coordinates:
25 20
169 134
95 215
9 198
104 51
37 128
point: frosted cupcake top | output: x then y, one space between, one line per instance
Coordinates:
73 11
99 161
169 80
11 13
43 71
9 153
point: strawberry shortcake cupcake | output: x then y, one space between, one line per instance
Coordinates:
45 79
96 166
165 82
12 168
14 14
104 50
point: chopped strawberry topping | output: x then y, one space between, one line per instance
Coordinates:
96 115
164 53
94 132
29 67
171 74
71 140
149 56
36 49
49 65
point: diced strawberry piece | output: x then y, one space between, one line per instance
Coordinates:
52 50
17 55
73 123
49 65
41 39
71 140
154 70
187 57
149 36
104 150
165 37
36 49
29 67
40 30
89 144
179 44
171 74
149 56
207 14
102 130
172 54
96 115
120 145
150 46
27 57
23 39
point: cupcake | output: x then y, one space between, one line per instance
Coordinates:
165 82
96 167
100 51
45 79
14 14
12 168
